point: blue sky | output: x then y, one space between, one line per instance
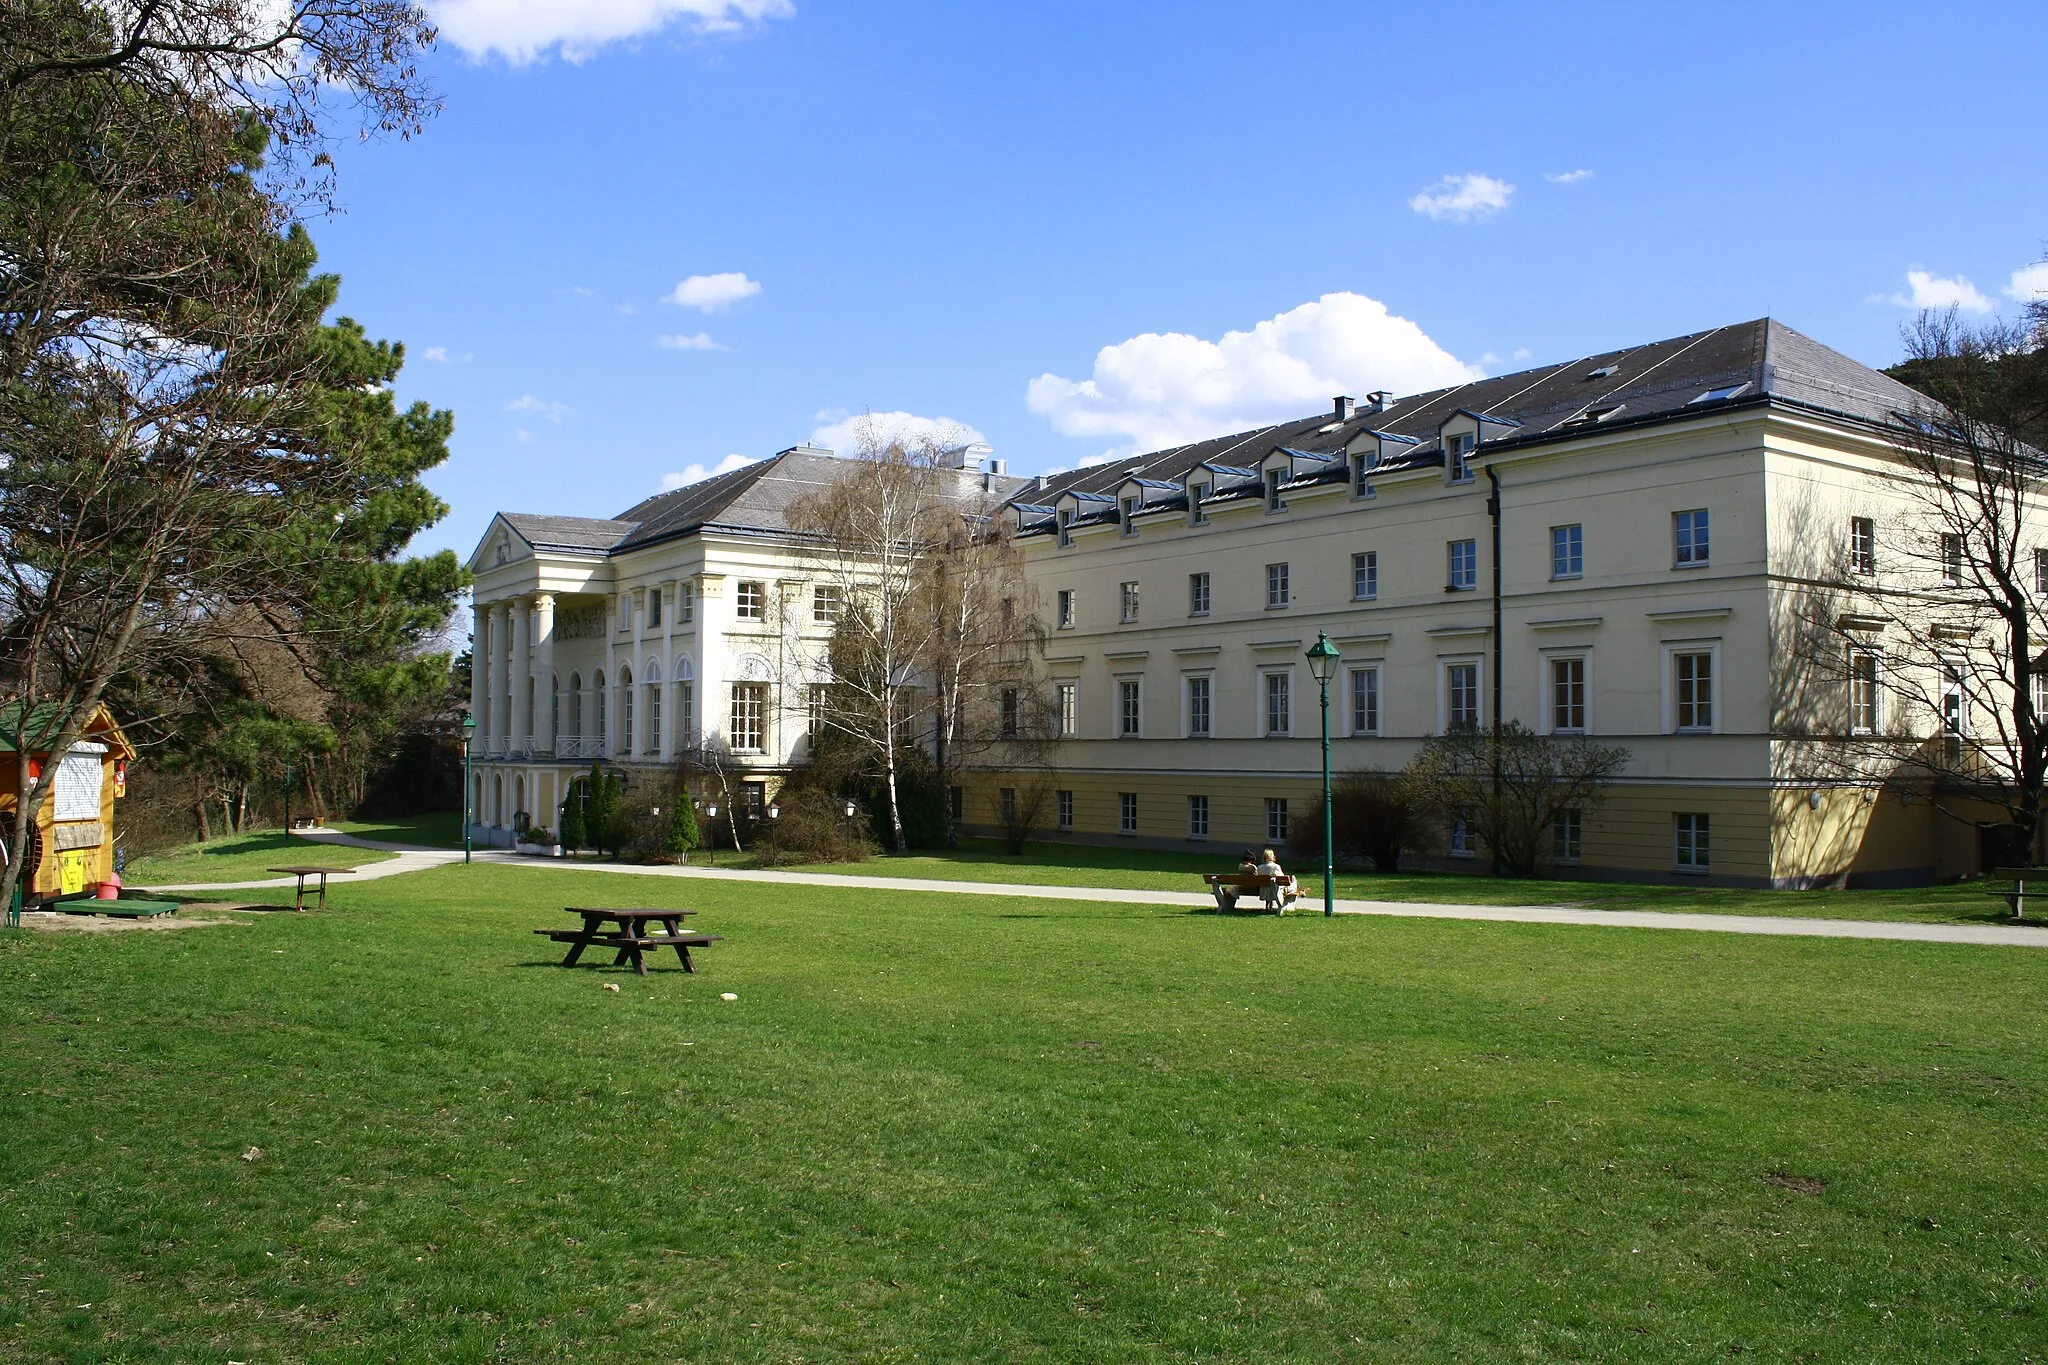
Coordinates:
1044 222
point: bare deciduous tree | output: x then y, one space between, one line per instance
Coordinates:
1511 785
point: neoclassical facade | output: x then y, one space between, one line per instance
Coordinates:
1610 547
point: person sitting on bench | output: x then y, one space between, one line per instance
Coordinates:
1289 890
1226 892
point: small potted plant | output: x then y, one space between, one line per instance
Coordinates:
537 842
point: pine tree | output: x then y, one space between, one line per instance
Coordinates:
682 825
573 836
601 819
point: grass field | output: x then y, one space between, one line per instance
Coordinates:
1971 902
436 829
944 1127
241 857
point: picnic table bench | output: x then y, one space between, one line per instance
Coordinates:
1226 887
299 901
2016 894
633 937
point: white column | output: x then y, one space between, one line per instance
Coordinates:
637 740
502 632
611 673
499 717
479 668
671 714
522 672
544 673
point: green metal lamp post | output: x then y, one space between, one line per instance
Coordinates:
468 786
1322 665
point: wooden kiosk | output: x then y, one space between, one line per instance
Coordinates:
71 849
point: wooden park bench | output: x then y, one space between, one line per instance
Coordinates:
1226 887
633 937
2015 895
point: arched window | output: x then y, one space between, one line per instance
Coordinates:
686 703
625 710
597 706
575 703
653 685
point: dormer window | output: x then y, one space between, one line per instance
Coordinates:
1457 451
1198 493
1362 463
1066 526
1127 516
1274 478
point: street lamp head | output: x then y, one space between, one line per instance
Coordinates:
849 810
775 812
468 726
1322 658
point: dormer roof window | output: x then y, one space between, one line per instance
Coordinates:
1723 392
1458 449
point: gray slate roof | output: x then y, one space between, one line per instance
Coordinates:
754 498
1656 382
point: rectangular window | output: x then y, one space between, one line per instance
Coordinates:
1951 561
1006 802
1127 598
1862 545
1126 812
1458 836
1274 478
1064 702
1198 817
1007 705
1863 693
1279 703
625 613
1065 520
1127 714
816 698
1276 820
827 601
1279 591
1457 451
686 603
1198 707
1066 601
1689 538
1198 496
1365 701
1198 594
653 745
1461 695
750 600
1365 576
1065 803
686 713
2041 572
653 607
1692 677
1566 832
1464 565
749 708
1690 840
1361 473
1127 515
1568 695
1952 700
1567 551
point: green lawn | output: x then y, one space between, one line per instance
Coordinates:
436 829
241 857
945 1127
982 860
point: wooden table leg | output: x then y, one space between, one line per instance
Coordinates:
299 900
576 948
675 929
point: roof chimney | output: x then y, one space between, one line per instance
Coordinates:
1044 482
1379 400
1342 404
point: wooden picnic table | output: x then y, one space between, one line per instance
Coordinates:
299 902
633 936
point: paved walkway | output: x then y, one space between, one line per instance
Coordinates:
413 859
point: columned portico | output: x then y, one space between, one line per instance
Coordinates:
521 739
546 690
499 711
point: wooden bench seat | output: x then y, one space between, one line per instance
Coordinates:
1226 887
631 946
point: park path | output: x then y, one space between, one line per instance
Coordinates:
412 858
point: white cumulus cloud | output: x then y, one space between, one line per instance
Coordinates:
694 341
710 293
524 31
1159 390
848 433
697 473
439 356
2029 282
1568 177
1926 290
540 407
1463 198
